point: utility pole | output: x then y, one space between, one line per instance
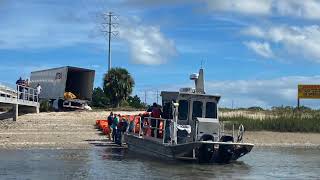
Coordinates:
145 97
157 94
107 28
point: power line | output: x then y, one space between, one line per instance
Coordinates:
107 28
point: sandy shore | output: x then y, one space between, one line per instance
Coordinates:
67 130
76 130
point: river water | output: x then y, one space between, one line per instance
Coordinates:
115 163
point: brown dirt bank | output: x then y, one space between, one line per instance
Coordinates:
67 130
283 139
76 130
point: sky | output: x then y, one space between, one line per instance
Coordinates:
254 53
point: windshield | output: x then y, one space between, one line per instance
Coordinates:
211 110
197 109
183 109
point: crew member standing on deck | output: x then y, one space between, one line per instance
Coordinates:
155 113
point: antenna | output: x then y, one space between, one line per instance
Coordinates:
107 28
145 97
202 63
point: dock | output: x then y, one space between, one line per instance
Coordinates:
21 97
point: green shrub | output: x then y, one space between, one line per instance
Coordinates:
99 98
124 103
135 102
45 106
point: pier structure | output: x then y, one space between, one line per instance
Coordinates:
24 98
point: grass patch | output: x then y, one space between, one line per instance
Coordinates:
280 122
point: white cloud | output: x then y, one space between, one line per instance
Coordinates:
263 49
58 25
254 31
265 93
258 7
148 45
308 9
47 25
300 41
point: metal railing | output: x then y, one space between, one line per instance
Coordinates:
7 90
146 124
236 136
27 93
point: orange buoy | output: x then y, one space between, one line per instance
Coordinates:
147 127
137 124
97 122
103 123
161 129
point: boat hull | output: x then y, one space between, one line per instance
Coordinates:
200 151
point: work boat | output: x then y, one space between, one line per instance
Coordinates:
189 129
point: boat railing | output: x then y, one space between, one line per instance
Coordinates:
159 127
237 135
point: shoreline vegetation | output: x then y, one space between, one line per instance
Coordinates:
281 119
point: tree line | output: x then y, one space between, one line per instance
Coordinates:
116 91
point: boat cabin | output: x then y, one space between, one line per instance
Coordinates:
191 106
197 109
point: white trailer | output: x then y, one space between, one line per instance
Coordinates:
55 82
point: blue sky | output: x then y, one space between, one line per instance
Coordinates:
255 52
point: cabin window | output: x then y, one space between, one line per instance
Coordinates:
183 109
211 110
167 110
197 109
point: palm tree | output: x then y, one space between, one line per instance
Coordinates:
118 85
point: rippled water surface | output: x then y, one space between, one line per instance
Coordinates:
115 163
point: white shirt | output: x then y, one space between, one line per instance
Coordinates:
39 89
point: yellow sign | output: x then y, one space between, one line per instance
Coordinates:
309 91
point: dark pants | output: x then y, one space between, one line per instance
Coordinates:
114 132
118 137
